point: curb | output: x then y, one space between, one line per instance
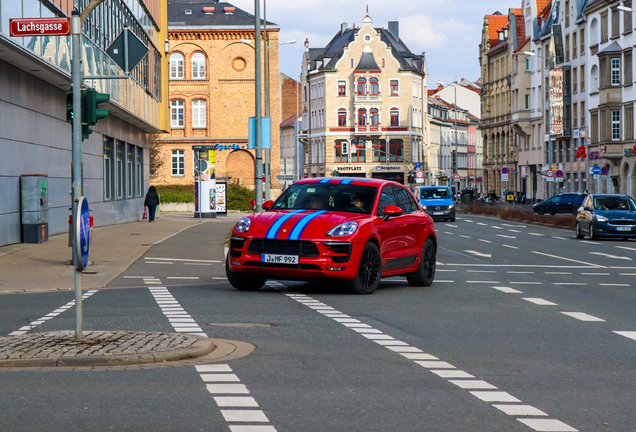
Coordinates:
200 348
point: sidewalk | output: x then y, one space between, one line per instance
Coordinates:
43 267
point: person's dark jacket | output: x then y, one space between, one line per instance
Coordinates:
152 197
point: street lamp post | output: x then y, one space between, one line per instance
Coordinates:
531 54
410 126
455 110
258 131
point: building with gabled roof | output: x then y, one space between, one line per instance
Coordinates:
364 105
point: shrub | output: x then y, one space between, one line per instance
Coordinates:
239 197
171 197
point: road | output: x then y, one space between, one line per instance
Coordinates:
525 328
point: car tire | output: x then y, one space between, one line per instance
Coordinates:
452 219
575 210
577 231
552 214
243 283
540 211
369 271
625 238
425 272
593 235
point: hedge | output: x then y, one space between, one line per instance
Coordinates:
171 197
238 197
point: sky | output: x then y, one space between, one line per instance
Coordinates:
448 31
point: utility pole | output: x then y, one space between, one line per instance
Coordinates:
258 180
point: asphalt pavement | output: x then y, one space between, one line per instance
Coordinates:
525 328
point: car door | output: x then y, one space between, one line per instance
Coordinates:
585 216
552 206
388 230
409 225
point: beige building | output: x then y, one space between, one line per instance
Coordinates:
364 105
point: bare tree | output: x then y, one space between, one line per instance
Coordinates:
156 161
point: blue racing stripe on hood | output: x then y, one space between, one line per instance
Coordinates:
272 232
300 226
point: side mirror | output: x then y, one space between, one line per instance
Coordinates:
586 208
392 211
268 205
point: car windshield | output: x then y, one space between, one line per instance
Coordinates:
434 193
328 196
614 203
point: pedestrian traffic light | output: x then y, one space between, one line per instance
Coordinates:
90 112
69 106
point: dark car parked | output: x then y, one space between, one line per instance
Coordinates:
607 215
562 203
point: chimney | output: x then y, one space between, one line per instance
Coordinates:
343 27
306 44
394 28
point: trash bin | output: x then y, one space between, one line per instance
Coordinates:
467 198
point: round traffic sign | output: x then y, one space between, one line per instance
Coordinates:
596 170
504 170
549 173
83 233
419 174
604 170
559 173
418 165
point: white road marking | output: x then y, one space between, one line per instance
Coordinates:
464 236
227 388
570 283
478 253
468 220
183 277
419 356
51 315
505 236
616 285
590 242
611 256
200 264
244 416
481 271
482 224
507 290
559 238
514 226
486 282
537 234
162 262
596 274
235 401
446 373
526 283
626 248
514 231
139 277
168 303
432 364
183 259
443 281
559 273
485 241
519 272
443 270
539 301
219 377
447 232
473 384
494 396
566 259
497 227
627 334
520 410
508 246
624 274
547 425
583 316
453 226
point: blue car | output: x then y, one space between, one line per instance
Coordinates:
437 202
606 215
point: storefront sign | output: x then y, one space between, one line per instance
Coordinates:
556 102
389 168
594 155
349 168
524 172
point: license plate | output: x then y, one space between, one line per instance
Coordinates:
279 259
438 213
625 228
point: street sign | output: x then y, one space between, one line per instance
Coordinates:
559 173
596 170
549 179
39 27
286 177
504 170
604 170
419 174
83 233
549 173
411 167
504 177
127 50
419 180
418 165
456 176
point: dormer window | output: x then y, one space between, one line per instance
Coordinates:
505 32
500 36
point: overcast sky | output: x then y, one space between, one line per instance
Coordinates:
448 31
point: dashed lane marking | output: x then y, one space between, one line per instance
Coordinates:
508 246
497 227
443 281
595 274
481 271
626 248
199 264
507 290
183 277
514 226
139 277
444 270
446 232
505 236
479 254
567 259
33 324
559 273
627 274
480 282
611 256
520 272
615 285
583 316
453 226
168 303
570 283
514 231
464 236
536 234
539 301
485 241
479 388
159 262
627 334
559 238
482 224
468 220
526 283
183 259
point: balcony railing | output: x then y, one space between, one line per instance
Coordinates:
368 98
368 130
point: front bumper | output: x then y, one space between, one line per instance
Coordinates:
441 214
331 258
608 230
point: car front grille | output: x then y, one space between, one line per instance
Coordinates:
302 248
281 266
622 222
437 207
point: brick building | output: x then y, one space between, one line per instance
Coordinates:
212 91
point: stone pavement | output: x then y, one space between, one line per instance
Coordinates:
99 348
43 267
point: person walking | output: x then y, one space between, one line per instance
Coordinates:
253 204
152 201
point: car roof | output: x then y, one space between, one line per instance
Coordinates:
611 195
433 187
365 180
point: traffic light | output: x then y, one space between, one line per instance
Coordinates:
411 178
69 106
90 112
454 161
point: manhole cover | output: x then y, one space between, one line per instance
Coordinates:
239 325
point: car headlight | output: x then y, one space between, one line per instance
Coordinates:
243 225
450 206
601 218
423 207
343 230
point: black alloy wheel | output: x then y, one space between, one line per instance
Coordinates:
577 231
425 273
369 271
540 211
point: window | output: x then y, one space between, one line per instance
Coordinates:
120 170
386 199
379 150
178 163
629 122
108 168
575 80
337 151
140 172
342 117
574 46
342 88
582 41
395 87
198 66
594 32
383 62
582 70
616 26
527 101
130 172
362 86
404 200
395 117
627 18
594 78
375 117
358 150
616 125
362 117
177 114
594 126
396 150
627 68
199 116
575 116
604 27
582 113
616 71
527 64
374 87
176 66
566 47
352 63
